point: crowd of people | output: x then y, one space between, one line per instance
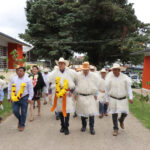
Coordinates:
83 91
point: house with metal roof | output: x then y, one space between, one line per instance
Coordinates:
146 68
7 45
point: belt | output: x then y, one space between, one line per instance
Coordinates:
85 94
25 96
121 98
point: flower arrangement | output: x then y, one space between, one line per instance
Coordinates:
16 97
60 92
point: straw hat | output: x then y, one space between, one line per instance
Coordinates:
103 70
62 60
116 66
85 66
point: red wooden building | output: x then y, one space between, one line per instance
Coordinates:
146 70
7 45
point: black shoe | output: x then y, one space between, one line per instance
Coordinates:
66 131
83 129
57 117
92 131
75 115
62 130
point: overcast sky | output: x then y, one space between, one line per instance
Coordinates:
13 20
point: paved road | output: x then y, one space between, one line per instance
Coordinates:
43 134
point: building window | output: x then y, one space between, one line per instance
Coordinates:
3 57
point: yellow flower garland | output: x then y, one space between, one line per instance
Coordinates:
61 92
16 97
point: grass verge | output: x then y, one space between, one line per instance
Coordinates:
7 109
141 110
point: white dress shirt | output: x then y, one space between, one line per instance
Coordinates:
18 81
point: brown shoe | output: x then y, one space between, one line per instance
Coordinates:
21 129
106 114
1 119
100 116
115 133
121 124
18 125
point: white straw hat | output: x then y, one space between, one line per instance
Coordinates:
62 60
103 70
116 66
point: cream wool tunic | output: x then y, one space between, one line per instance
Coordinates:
118 87
86 105
69 75
101 90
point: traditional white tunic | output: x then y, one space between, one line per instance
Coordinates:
101 90
118 87
86 85
45 76
69 75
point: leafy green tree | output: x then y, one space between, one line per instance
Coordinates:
105 30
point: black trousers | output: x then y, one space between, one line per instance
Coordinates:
64 120
115 120
91 122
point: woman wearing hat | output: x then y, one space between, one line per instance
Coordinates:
101 94
86 89
62 85
118 87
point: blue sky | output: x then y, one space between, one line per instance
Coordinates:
13 20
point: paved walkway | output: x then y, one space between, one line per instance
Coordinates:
43 134
142 91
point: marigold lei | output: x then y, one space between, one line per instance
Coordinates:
60 92
16 97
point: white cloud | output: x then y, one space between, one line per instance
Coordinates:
13 20
12 17
142 9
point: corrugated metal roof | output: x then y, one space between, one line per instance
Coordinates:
11 39
141 52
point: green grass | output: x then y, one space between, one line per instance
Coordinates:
7 109
141 110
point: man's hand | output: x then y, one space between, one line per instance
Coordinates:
76 97
131 101
1 102
107 103
50 97
95 97
29 101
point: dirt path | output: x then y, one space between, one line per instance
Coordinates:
43 134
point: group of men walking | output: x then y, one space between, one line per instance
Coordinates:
70 91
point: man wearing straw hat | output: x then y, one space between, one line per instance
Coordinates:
86 89
118 87
45 89
101 94
62 85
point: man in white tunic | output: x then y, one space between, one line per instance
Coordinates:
86 90
64 73
101 94
45 90
118 87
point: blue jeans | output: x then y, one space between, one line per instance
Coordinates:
102 108
20 110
